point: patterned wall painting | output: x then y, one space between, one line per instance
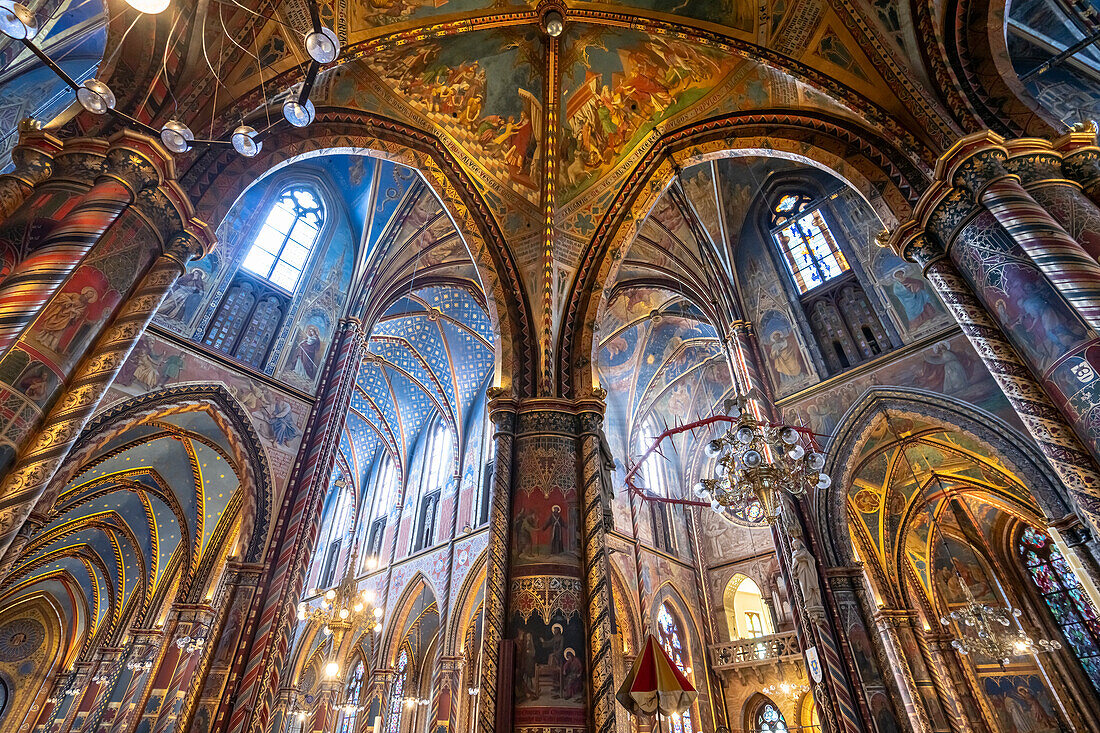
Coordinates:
786 357
913 306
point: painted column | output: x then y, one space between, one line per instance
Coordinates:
546 593
977 163
594 497
1048 425
265 643
233 600
75 168
134 164
1041 170
71 388
1081 159
744 355
966 715
502 412
33 158
918 694
145 645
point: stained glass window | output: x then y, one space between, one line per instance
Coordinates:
397 692
283 244
770 720
1073 612
810 251
672 641
351 710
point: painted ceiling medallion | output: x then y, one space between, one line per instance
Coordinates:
20 638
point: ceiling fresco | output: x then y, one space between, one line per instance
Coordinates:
140 515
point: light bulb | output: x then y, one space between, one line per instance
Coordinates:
299 115
344 613
17 21
817 461
330 594
95 97
358 607
699 489
378 613
332 669
149 7
713 448
796 452
245 142
745 435
553 23
788 435
176 136
823 481
752 458
322 46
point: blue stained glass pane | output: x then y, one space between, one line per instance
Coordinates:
1071 608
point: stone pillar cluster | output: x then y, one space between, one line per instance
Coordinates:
1008 239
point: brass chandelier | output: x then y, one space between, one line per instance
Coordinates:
996 632
756 459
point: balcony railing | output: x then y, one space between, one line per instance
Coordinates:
744 655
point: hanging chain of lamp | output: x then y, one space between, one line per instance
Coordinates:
995 631
322 46
756 459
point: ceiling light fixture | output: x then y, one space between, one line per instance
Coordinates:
17 21
149 7
553 23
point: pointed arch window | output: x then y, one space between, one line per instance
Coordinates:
397 692
673 642
351 705
338 529
770 720
1063 594
655 479
385 497
282 246
437 467
809 248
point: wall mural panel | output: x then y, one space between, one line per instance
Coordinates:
278 416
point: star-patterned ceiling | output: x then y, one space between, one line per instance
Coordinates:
141 514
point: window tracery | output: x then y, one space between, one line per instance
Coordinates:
839 314
770 720
355 685
397 692
282 246
1064 596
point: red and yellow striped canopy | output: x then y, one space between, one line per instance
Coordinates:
655 683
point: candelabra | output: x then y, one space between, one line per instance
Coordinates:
996 631
786 689
191 644
755 459
143 665
102 677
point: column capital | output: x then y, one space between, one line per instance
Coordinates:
81 160
1034 161
973 162
33 155
914 244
